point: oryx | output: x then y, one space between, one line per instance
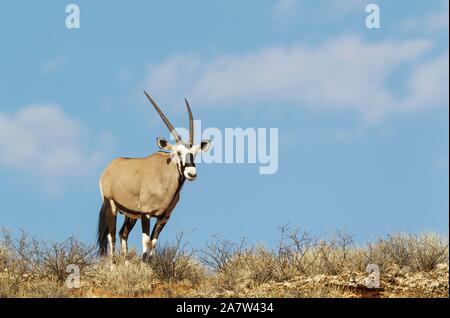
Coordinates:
141 188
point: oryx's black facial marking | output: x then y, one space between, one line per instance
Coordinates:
189 161
184 156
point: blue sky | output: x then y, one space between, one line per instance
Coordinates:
362 113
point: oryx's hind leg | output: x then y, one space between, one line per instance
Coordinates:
111 221
145 221
127 226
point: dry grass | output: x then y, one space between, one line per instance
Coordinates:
300 266
124 276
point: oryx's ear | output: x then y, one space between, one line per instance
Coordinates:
163 144
204 145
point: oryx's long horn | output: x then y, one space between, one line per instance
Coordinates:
191 123
164 118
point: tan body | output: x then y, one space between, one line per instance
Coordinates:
141 185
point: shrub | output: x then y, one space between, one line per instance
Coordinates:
124 275
172 262
219 252
409 251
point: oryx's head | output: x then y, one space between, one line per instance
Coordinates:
181 153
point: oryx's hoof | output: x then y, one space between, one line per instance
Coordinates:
146 258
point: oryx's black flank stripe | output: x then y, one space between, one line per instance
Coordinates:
121 208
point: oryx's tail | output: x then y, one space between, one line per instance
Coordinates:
102 228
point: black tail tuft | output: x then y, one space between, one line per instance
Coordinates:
102 229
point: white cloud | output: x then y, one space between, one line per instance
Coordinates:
342 74
428 84
170 78
43 141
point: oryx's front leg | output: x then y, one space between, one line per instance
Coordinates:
127 226
145 221
160 223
